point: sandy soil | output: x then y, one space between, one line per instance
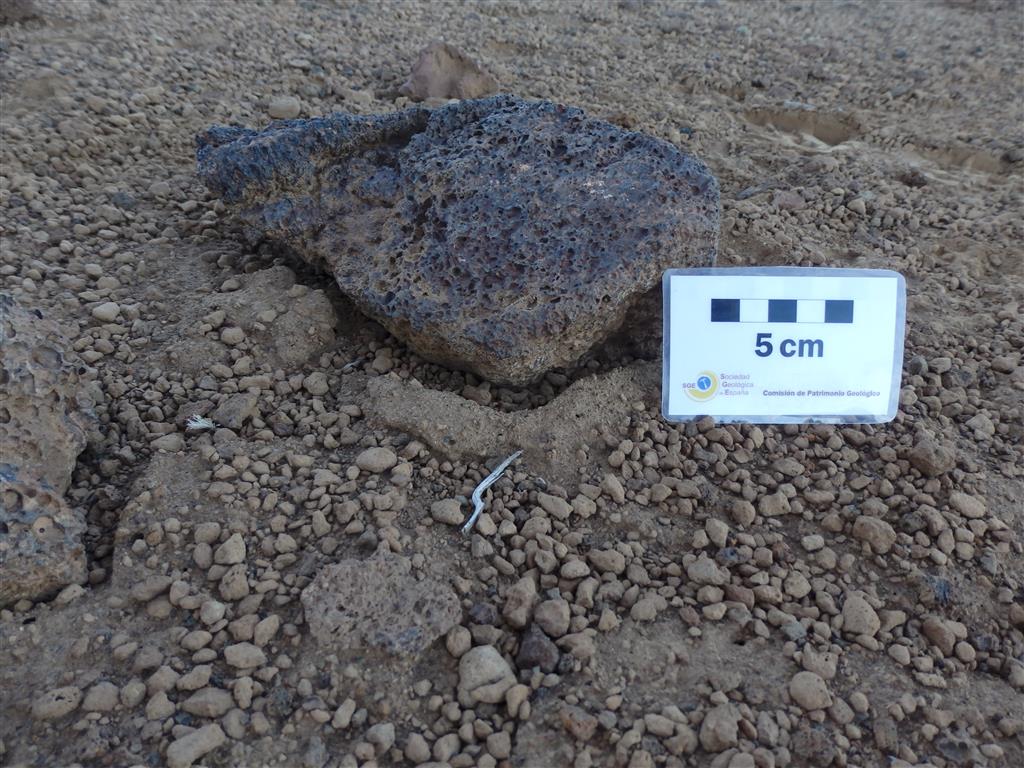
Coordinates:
693 594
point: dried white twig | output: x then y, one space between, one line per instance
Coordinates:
487 482
197 423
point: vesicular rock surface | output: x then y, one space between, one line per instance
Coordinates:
45 417
499 235
378 605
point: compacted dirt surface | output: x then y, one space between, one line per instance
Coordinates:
289 586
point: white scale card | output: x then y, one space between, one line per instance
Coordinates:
781 345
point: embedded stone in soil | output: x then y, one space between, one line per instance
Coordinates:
502 236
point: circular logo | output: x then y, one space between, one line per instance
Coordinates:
706 386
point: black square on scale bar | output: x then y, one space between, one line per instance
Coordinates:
839 311
782 311
725 310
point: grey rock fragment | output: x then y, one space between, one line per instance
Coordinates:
378 605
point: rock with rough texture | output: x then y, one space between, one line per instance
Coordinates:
46 418
930 458
878 533
580 723
442 71
57 703
704 570
484 676
719 729
553 617
859 618
499 235
378 605
519 602
537 650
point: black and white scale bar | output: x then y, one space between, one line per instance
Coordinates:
782 310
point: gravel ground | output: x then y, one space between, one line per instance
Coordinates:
290 586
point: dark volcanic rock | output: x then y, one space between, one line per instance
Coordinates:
499 235
537 650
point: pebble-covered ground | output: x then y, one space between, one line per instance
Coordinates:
637 593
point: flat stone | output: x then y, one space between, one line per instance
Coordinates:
150 587
284 108
508 280
171 443
57 703
183 752
244 656
382 736
969 506
378 604
447 511
555 506
208 702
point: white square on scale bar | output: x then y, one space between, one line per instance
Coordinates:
810 311
754 311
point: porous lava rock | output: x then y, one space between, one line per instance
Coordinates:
378 604
503 236
46 417
442 71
